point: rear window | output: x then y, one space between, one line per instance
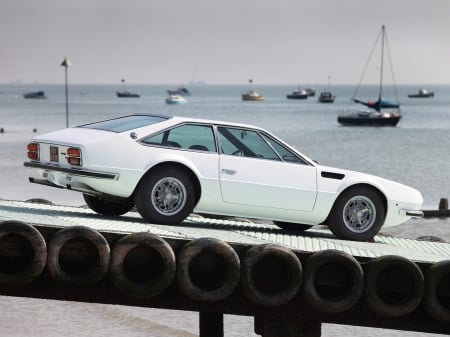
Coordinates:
126 123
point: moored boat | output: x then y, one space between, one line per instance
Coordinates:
175 99
252 96
377 116
326 97
126 93
35 94
182 91
298 94
422 93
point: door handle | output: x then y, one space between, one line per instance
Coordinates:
229 172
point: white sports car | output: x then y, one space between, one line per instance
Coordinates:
170 166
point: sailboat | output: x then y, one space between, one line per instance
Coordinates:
380 112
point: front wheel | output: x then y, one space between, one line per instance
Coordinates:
357 214
106 206
165 196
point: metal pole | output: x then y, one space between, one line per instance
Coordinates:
67 100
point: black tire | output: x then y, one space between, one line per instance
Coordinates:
25 254
208 270
106 206
299 227
437 299
165 196
394 286
357 214
90 266
273 288
333 281
143 265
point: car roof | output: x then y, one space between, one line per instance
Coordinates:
183 119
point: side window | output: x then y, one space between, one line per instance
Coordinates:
187 136
246 143
284 153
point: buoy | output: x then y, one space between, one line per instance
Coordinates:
78 256
394 285
208 270
142 265
333 281
23 253
276 287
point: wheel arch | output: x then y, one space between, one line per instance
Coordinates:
365 185
177 165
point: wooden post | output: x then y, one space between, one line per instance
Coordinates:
211 324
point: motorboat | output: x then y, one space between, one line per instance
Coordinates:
252 96
175 99
182 91
298 94
35 94
422 93
326 97
126 93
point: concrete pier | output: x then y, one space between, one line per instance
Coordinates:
290 282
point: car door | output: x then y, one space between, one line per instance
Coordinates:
253 173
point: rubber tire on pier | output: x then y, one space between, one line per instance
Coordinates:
143 265
208 270
323 268
80 271
437 293
16 269
271 274
394 285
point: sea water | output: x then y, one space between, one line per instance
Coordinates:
416 153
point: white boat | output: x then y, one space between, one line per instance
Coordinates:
175 99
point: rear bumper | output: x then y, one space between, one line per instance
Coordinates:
71 171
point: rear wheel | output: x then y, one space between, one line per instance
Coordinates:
106 206
292 226
357 215
165 196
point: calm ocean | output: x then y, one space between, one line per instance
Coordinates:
416 153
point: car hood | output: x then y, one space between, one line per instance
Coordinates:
392 189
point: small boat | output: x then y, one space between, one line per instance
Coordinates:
298 94
252 95
175 99
326 97
35 94
370 117
183 91
311 92
423 93
127 93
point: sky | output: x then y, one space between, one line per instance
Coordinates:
222 41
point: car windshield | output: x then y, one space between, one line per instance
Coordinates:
126 123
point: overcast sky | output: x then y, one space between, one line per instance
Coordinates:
221 41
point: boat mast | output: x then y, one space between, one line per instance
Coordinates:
381 65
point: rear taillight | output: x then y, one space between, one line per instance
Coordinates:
33 151
74 156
